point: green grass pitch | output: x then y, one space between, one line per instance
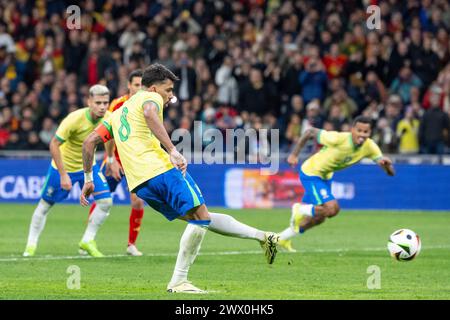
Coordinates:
332 263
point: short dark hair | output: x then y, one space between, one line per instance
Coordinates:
362 119
157 73
135 73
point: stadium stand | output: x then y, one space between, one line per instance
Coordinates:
242 64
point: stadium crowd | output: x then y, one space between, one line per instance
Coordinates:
242 64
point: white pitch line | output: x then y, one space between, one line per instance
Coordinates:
218 253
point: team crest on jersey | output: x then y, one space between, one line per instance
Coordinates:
347 159
324 193
50 191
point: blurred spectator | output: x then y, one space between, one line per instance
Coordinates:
186 23
186 88
373 111
313 117
6 41
34 143
374 88
385 136
48 131
313 80
434 128
225 118
74 51
94 65
215 56
12 69
14 142
127 40
404 82
337 117
290 84
434 89
424 60
408 133
294 128
399 57
256 96
347 105
393 111
334 61
227 84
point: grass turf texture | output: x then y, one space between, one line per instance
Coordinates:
332 262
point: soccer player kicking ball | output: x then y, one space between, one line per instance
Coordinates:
160 177
340 150
114 178
66 169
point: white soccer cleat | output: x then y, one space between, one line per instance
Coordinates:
185 287
133 251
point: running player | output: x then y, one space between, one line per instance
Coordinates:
160 177
113 178
340 150
66 169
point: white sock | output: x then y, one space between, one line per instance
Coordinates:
190 244
229 226
306 209
38 222
97 218
287 233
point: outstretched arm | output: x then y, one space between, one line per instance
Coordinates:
386 164
310 133
157 128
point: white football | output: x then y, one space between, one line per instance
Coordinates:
404 244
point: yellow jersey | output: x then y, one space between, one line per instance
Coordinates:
71 132
140 151
409 133
338 152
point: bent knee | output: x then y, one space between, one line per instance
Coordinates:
137 203
198 213
332 210
318 219
104 204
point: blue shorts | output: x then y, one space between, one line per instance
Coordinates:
53 193
170 193
317 190
112 183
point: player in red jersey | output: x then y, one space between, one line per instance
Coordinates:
114 178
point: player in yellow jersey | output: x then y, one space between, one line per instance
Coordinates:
339 151
137 205
159 177
66 169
